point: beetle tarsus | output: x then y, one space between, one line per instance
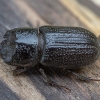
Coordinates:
50 82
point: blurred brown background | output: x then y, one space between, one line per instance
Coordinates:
34 13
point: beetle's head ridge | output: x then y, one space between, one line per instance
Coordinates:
7 48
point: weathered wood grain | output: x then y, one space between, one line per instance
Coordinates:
85 15
54 13
30 85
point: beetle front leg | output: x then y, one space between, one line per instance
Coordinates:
20 70
50 82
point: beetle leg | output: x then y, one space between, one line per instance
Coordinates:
20 70
82 78
50 82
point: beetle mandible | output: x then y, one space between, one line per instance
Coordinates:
53 46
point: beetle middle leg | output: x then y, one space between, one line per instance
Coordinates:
50 82
82 78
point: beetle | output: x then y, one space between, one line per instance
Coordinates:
52 46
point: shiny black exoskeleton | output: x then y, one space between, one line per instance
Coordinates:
53 46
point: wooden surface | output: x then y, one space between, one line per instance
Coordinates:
30 85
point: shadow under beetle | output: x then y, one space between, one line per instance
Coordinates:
52 46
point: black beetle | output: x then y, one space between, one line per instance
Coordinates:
52 46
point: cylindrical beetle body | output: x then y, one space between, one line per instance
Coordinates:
54 46
69 47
